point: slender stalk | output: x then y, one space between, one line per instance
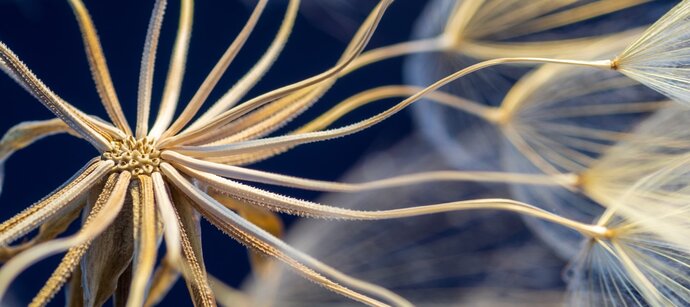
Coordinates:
173 83
163 279
148 62
274 115
71 260
16 69
268 118
109 131
395 50
385 92
193 268
490 114
253 236
648 289
290 205
298 139
216 73
56 202
99 68
240 173
101 220
231 97
244 108
26 133
145 241
171 227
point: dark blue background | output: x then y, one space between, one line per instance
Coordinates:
46 37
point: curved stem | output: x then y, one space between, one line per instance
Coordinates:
26 133
370 96
290 205
145 240
99 221
216 73
164 278
240 173
395 50
255 237
99 68
62 199
148 62
384 92
72 259
299 139
270 117
171 228
232 96
490 114
17 70
173 83
308 95
244 108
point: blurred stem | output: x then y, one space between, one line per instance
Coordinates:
384 92
589 230
395 50
290 141
227 295
440 43
280 203
568 181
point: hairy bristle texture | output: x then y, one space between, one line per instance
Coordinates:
582 160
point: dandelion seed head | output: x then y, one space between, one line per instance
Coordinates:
633 266
645 258
651 146
494 29
660 57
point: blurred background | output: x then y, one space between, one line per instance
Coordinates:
494 256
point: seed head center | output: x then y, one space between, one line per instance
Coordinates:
140 157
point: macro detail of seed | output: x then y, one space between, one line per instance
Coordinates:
588 149
140 157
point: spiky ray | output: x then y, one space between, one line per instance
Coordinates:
152 183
